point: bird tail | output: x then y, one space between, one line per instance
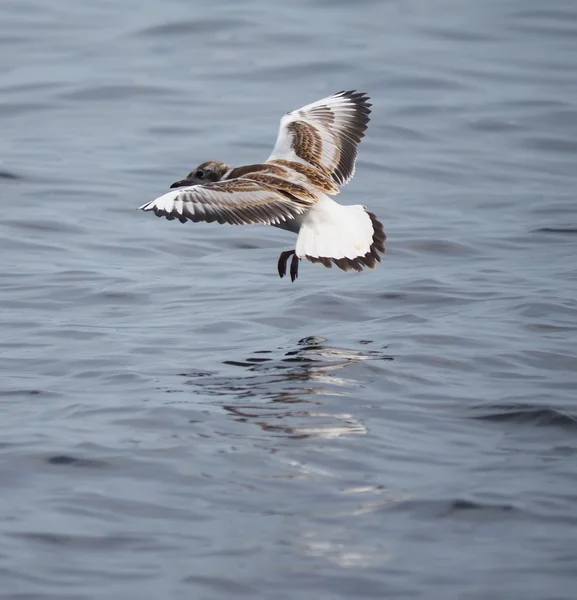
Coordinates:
348 236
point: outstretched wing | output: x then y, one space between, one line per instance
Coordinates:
238 202
325 134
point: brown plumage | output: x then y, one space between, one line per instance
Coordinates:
316 177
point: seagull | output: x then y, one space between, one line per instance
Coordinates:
314 155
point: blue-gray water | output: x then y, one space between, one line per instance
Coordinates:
178 422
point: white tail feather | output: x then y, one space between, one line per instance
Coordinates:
331 230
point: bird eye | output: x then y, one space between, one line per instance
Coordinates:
200 174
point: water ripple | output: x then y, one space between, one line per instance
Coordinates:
178 421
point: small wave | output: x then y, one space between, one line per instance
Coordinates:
563 230
67 460
458 506
10 176
526 414
193 27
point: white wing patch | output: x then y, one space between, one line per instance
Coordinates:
325 134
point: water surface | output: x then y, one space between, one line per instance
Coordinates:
178 422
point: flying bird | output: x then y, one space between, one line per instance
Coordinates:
314 155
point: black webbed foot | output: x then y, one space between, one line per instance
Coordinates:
282 262
295 267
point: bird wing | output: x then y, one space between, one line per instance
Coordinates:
235 201
325 134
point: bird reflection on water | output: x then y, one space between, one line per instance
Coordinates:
285 395
298 394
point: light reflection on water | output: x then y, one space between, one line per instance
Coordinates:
283 393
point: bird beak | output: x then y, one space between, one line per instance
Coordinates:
182 183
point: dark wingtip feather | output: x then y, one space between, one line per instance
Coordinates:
350 141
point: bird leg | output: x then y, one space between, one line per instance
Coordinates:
282 262
295 267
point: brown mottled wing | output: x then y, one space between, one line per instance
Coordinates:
238 202
325 134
